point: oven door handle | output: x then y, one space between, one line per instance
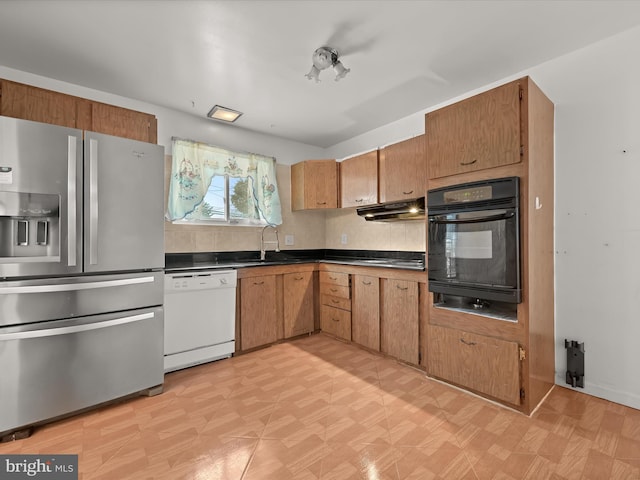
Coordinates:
490 218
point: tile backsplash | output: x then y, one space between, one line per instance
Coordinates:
309 229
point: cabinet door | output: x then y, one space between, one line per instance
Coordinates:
335 321
258 311
298 303
314 185
365 313
37 104
477 133
484 364
359 180
403 170
122 122
400 320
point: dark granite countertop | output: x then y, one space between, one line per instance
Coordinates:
179 262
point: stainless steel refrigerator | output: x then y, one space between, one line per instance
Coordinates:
81 270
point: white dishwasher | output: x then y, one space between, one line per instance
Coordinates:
199 317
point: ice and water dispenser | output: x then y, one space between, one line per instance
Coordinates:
29 225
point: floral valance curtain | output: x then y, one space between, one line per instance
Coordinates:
194 164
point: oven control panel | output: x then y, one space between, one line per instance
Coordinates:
468 195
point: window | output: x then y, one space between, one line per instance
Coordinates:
210 185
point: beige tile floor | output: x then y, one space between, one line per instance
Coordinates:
317 408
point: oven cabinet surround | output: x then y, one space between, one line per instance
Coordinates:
40 105
314 185
403 170
477 133
359 180
274 303
459 341
387 312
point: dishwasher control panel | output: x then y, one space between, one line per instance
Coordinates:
203 280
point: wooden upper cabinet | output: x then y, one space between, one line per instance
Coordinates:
359 180
474 134
403 170
40 105
314 185
37 104
122 122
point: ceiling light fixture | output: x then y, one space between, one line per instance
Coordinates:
224 114
325 57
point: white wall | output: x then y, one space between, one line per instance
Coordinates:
596 91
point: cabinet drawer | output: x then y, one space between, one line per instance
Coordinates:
336 302
335 321
334 278
484 364
335 290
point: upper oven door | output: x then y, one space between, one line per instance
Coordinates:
477 249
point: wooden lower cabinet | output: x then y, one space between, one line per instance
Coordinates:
298 303
365 313
484 364
400 320
258 311
335 321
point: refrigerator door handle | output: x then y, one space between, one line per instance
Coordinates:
52 332
72 239
68 287
93 201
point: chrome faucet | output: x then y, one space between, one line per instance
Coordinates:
276 242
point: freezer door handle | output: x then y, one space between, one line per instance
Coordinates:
68 287
93 201
71 201
52 332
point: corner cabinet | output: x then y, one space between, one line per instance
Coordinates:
40 105
314 185
478 133
359 180
403 170
505 132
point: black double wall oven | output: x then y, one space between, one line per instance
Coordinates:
474 245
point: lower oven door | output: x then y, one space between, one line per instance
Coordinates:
475 254
58 367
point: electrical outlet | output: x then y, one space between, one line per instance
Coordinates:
288 239
343 239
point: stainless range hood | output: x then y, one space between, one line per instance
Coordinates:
394 211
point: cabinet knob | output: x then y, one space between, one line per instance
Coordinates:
258 283
467 343
335 301
335 319
408 193
469 163
298 278
359 200
321 203
402 288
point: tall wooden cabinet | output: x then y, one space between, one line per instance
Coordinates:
314 185
40 105
507 131
403 170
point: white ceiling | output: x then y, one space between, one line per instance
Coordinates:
252 56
